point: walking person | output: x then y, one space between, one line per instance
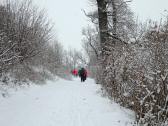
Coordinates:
82 74
75 72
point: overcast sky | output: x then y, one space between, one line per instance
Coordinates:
149 9
69 19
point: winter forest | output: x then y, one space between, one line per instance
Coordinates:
127 58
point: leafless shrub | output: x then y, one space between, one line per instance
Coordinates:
24 42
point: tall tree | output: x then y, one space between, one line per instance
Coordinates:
103 31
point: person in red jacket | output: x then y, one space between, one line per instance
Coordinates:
75 72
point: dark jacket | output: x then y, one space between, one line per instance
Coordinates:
82 72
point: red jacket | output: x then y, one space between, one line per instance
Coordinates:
75 72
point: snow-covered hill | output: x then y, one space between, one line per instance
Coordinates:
62 103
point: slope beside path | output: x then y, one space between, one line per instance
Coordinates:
62 103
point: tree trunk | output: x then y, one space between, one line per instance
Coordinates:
103 31
114 17
103 25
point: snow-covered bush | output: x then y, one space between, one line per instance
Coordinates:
25 34
134 58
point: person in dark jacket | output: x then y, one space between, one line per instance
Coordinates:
82 74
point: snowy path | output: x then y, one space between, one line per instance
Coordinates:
62 103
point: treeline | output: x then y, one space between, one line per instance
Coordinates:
130 60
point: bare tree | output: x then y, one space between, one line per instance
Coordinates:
25 30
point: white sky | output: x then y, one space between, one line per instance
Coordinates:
149 9
69 18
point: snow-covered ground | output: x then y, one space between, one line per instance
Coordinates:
62 103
